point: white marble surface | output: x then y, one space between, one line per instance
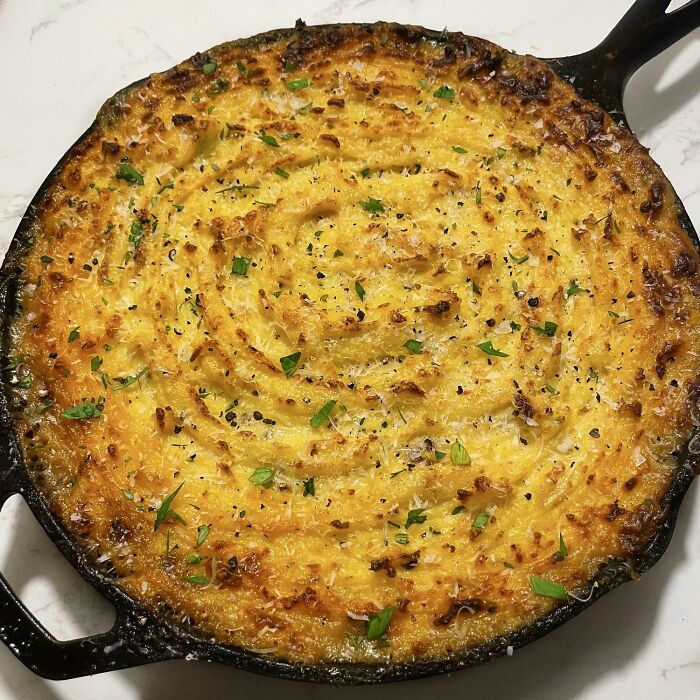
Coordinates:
61 59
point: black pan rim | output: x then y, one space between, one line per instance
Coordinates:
162 639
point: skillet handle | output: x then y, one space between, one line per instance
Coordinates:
643 32
132 641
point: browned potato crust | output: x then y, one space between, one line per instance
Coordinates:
346 320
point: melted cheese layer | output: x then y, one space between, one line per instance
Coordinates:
488 313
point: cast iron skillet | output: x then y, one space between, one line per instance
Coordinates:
138 637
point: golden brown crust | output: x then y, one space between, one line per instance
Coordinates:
494 309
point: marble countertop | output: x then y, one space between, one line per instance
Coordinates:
62 58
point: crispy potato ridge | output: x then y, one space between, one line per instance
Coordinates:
464 253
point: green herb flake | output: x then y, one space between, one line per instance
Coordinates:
126 172
164 509
439 456
459 149
128 495
202 534
74 334
508 565
415 515
563 551
240 266
136 233
487 347
263 476
46 260
476 289
289 363
481 520
500 152
477 194
87 409
457 510
124 382
518 260
574 289
365 172
372 205
198 580
95 363
323 414
359 289
194 559
414 346
282 173
546 588
378 623
209 67
309 487
297 84
445 93
269 140
401 538
459 455
338 253
549 328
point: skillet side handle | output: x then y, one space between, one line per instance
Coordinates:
132 641
643 32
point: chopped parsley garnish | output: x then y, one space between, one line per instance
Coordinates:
613 314
401 538
549 328
263 476
289 363
415 515
518 260
487 347
269 140
372 205
563 551
164 509
546 588
128 495
360 291
457 510
136 233
210 66
338 253
574 289
500 152
481 520
365 172
477 193
378 623
123 382
45 259
87 409
74 334
126 172
514 326
297 84
194 559
459 149
323 414
459 455
508 565
440 455
414 346
476 289
237 188
445 93
309 487
240 266
198 580
202 534
282 173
